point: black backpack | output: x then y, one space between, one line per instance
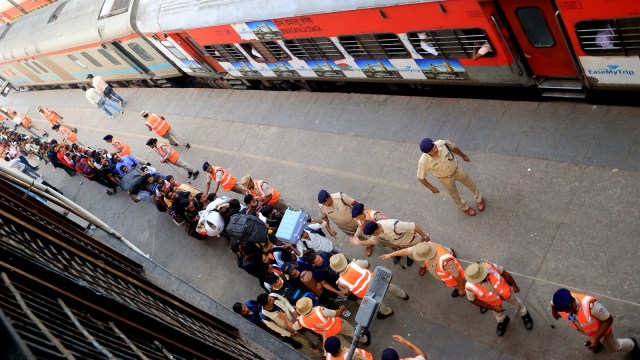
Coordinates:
248 228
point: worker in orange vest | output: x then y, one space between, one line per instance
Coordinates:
266 194
67 134
363 216
169 155
392 354
122 148
440 261
222 179
355 277
325 322
335 351
488 285
158 124
20 119
54 118
588 316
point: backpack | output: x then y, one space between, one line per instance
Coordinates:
307 279
318 231
131 180
86 168
248 228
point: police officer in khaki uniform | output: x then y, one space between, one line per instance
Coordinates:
392 233
439 158
338 207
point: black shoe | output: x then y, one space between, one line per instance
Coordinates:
406 297
409 261
483 310
502 326
597 349
189 175
528 321
45 134
175 144
108 192
188 146
396 259
455 293
383 316
148 163
195 175
635 352
36 168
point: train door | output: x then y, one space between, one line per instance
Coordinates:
538 32
173 50
130 59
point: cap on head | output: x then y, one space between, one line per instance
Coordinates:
152 141
424 251
205 166
370 228
390 354
304 306
144 113
244 182
323 196
562 299
107 137
426 145
356 210
90 76
39 108
332 345
476 272
338 263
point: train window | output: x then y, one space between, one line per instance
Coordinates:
140 51
54 16
109 57
535 27
275 49
32 68
450 43
225 52
9 72
265 51
173 50
78 62
42 68
91 59
314 48
610 37
374 46
113 7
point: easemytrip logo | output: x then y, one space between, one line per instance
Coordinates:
612 70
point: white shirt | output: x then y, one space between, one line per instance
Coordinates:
16 164
316 242
99 83
93 96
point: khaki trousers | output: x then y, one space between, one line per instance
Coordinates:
183 164
449 184
513 300
394 290
281 206
172 137
613 344
347 330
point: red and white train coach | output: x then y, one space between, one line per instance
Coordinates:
564 47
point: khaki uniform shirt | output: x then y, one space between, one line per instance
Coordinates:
443 165
340 212
396 234
277 324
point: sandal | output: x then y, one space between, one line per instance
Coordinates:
470 211
423 270
369 250
480 205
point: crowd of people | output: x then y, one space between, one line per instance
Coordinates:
306 284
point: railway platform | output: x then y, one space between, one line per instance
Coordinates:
561 182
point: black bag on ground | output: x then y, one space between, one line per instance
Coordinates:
249 228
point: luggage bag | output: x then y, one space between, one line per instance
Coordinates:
292 225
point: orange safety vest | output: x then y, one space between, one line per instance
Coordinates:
370 215
122 148
228 182
70 135
174 154
51 116
343 355
446 277
316 322
500 286
588 323
356 279
24 119
275 195
157 124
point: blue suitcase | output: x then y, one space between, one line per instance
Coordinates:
292 226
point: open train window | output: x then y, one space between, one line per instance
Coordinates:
609 36
535 27
450 43
314 48
109 57
32 68
78 62
374 46
140 51
91 59
225 52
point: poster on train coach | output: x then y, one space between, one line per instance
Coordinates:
378 68
442 69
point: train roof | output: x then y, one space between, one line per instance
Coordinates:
165 15
62 25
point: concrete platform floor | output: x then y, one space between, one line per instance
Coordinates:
561 183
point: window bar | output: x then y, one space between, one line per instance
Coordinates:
166 353
127 341
84 331
66 353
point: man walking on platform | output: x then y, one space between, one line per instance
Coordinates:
222 179
488 285
105 89
100 102
588 316
438 157
171 156
54 118
158 124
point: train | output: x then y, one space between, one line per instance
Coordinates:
562 48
